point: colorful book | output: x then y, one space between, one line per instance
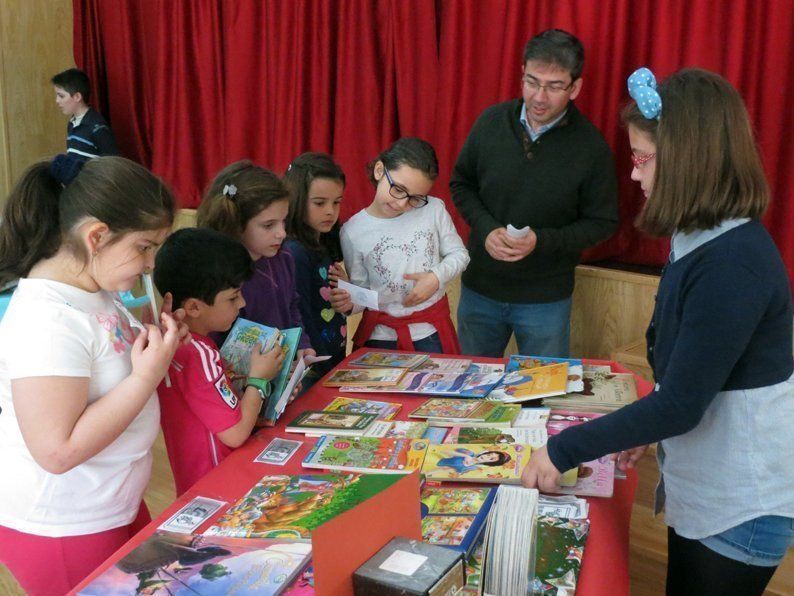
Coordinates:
455 517
376 377
338 423
535 436
603 392
444 365
236 352
484 413
436 383
476 463
486 368
382 409
575 368
389 360
447 408
293 506
559 552
397 429
170 563
532 383
367 454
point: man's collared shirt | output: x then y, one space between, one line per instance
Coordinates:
533 134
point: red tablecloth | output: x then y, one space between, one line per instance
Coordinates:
605 568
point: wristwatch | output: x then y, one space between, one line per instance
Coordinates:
261 385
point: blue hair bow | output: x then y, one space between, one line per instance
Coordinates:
642 88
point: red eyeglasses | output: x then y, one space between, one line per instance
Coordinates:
639 160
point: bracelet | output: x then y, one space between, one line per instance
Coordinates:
261 385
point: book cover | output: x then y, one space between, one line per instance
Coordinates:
170 563
486 413
575 368
476 463
389 360
382 377
444 365
535 437
367 454
455 517
397 429
533 383
382 409
293 506
436 383
330 422
603 392
593 479
445 408
560 548
486 368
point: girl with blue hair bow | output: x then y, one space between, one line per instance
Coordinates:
719 343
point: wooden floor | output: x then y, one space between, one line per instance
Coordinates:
648 555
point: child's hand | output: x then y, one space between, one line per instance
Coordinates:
153 350
267 365
178 315
341 301
305 353
336 272
426 285
628 459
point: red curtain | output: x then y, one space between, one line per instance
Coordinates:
191 86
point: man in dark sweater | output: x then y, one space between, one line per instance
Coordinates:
87 133
537 163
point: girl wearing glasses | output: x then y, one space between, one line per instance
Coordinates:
405 247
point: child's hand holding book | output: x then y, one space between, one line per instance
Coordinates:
266 365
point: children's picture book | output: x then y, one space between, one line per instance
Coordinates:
397 429
377 377
486 368
560 548
532 384
455 517
535 436
437 383
339 423
367 454
603 392
451 412
382 409
169 563
444 365
447 408
466 462
529 417
592 479
389 360
236 352
292 507
575 368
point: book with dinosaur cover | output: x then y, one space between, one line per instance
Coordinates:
367 454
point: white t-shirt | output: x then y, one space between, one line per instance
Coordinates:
54 329
379 251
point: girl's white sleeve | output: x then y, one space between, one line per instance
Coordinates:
354 263
454 256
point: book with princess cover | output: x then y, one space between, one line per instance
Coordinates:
455 412
388 360
466 462
575 368
171 563
367 454
559 552
454 517
532 383
383 409
236 352
331 423
378 377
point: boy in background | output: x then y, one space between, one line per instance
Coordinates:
203 419
87 133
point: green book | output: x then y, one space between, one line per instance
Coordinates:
333 423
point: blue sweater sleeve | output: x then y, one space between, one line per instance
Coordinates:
720 310
294 308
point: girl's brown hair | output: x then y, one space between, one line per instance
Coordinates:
41 215
707 164
249 189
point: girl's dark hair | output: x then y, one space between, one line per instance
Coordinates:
251 188
502 458
41 215
707 164
407 151
300 174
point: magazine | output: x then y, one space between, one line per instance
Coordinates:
367 454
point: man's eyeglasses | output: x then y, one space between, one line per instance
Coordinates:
399 193
534 85
639 160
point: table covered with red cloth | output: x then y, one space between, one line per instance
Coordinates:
605 567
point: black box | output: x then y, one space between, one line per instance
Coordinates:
410 567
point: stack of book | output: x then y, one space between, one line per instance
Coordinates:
455 517
603 392
455 412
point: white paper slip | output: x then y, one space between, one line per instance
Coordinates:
297 375
514 232
310 360
192 515
532 417
361 296
565 506
278 452
403 562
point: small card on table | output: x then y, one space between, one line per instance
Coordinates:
192 515
278 452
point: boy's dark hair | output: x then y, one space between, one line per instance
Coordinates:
502 458
249 190
557 47
200 263
407 151
41 215
300 174
708 168
74 81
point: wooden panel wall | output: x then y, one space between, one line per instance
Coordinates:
35 43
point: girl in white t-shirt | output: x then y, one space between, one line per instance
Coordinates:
77 371
405 247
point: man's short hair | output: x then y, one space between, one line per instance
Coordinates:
559 48
200 263
74 81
